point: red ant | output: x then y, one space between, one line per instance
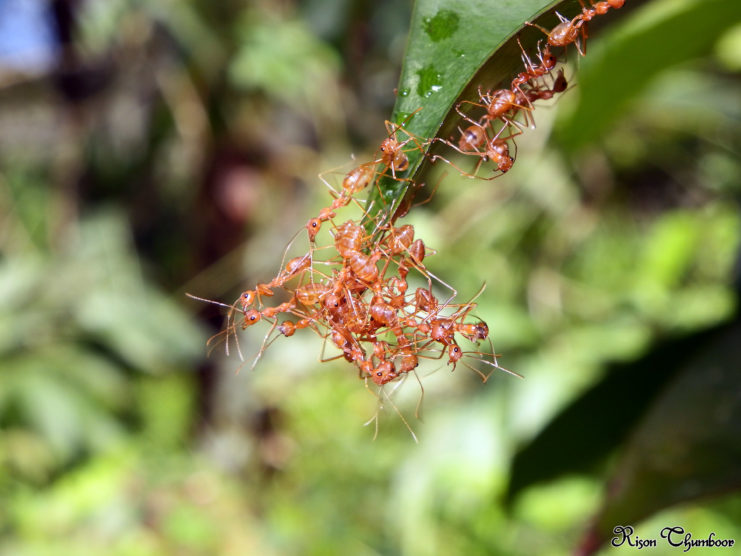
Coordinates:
547 63
393 157
565 33
472 139
456 355
569 30
355 181
496 150
532 73
599 8
497 104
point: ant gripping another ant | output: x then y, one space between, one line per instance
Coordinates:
360 300
495 149
574 30
391 157
480 138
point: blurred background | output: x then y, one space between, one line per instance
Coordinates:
149 149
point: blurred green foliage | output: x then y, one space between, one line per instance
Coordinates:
175 149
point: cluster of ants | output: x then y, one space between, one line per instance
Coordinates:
482 138
359 297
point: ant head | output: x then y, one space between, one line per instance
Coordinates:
313 226
247 298
547 59
332 302
454 353
385 372
251 317
389 145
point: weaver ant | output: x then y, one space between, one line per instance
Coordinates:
496 149
599 8
456 355
575 30
547 62
393 156
565 33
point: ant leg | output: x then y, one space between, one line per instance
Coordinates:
430 276
464 116
432 193
411 137
400 127
213 342
219 303
501 130
494 363
265 343
285 252
419 144
437 157
514 123
321 175
323 359
230 327
527 62
581 43
420 402
398 412
375 418
465 308
546 31
562 18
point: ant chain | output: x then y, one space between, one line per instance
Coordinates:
354 291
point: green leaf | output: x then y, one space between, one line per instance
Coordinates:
604 415
687 445
454 47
